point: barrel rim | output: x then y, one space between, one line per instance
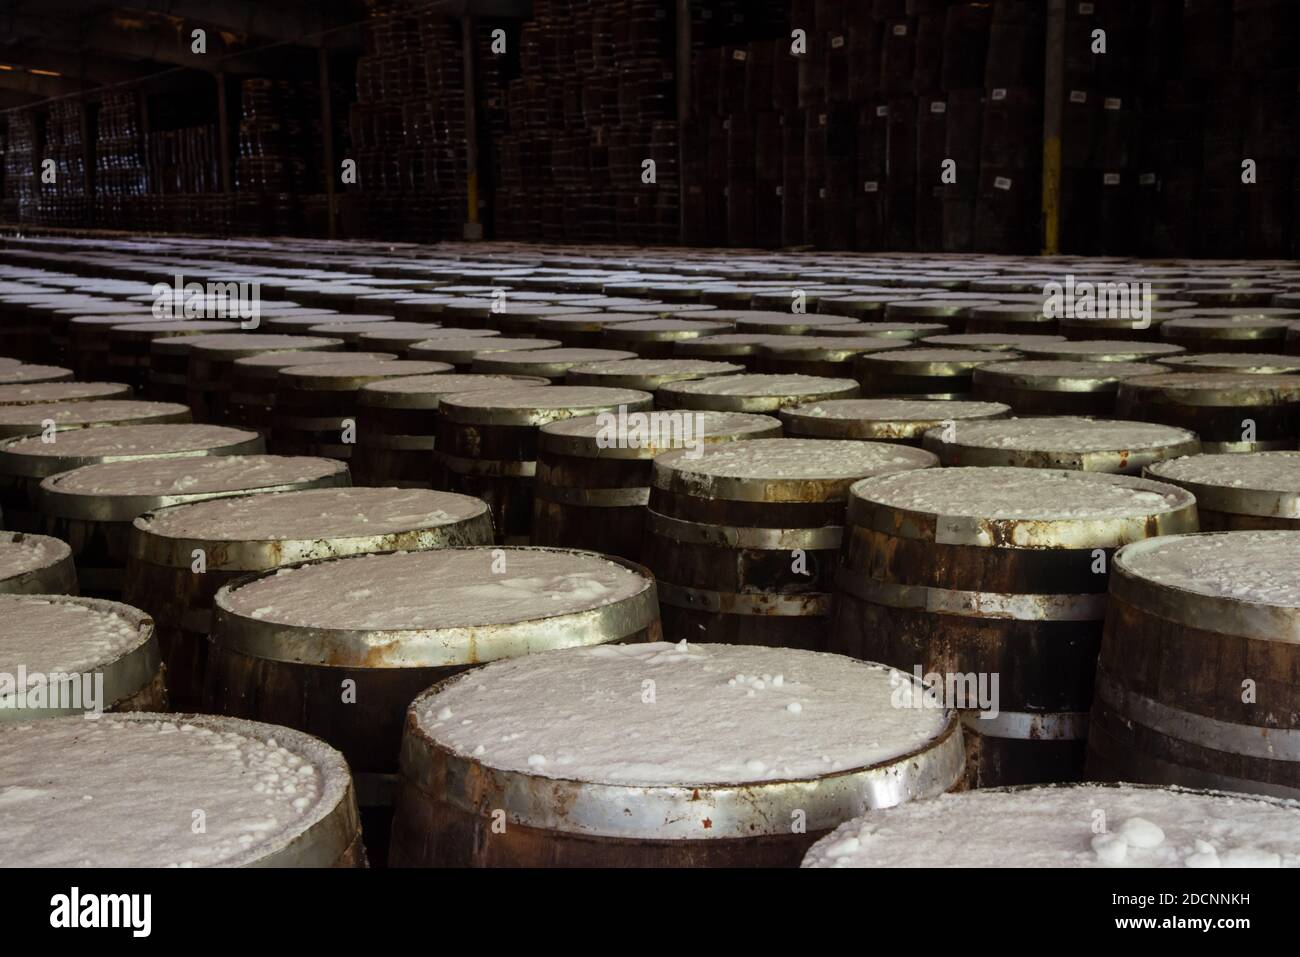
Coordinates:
29 466
433 647
1235 499
58 576
1128 459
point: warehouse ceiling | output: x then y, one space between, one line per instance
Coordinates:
55 47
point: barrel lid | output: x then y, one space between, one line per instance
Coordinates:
661 308
786 323
1000 507
235 345
660 330
1266 484
288 323
1060 375
726 344
888 330
1226 327
537 405
555 741
290 790
24 556
932 361
582 321
348 376
118 491
551 363
995 341
489 603
828 348
643 435
25 373
1102 350
755 392
269 364
63 634
781 470
425 391
1235 583
1025 312
168 328
465 348
256 532
647 374
1252 363
41 392
432 333
1051 826
947 308
32 457
29 419
1214 388
1061 442
883 419
354 332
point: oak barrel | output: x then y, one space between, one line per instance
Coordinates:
560 759
251 401
754 392
35 565
1238 491
743 537
18 420
984 575
1231 413
924 373
904 421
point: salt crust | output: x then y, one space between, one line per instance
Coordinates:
1056 827
722 714
1262 471
57 633
191 476
445 588
132 440
20 554
760 385
1067 434
1261 567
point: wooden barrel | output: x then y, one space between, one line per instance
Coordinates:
977 575
829 356
316 406
1124 330
255 533
1053 827
992 341
1196 682
580 330
27 460
741 348
911 331
1010 318
742 537
397 337
251 401
486 443
297 325
31 419
594 472
1231 413
1238 491
552 364
924 373
1061 442
50 392
348 670
1056 387
200 367
353 333
92 507
35 565
1250 363
461 352
655 338
521 318
648 375
397 425
868 306
86 347
1293 340
752 393
661 309
123 812
79 655
28 374
597 798
903 421
130 347
1241 333
1103 350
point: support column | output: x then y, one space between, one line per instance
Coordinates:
223 134
327 140
1053 118
473 228
683 71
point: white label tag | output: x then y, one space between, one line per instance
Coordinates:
1147 179
1001 183
780 191
1078 96
739 55
900 29
821 119
821 193
1000 93
837 42
938 106
1113 103
1110 179
871 186
882 111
